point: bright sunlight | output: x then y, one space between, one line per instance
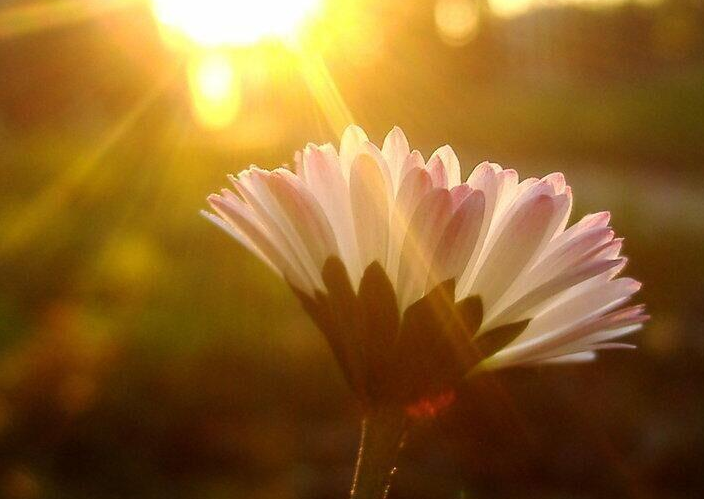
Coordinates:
215 91
211 31
214 23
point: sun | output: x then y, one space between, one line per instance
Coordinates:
233 23
220 40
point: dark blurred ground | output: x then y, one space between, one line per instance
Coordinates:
144 354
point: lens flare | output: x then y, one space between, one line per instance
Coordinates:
217 23
215 89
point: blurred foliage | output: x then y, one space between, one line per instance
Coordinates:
144 354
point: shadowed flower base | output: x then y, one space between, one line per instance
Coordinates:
413 360
402 367
383 434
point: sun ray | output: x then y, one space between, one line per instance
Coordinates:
324 90
27 221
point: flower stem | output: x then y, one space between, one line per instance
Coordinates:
383 432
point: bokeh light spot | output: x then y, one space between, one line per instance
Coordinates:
215 89
456 21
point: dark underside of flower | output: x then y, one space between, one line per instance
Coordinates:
413 360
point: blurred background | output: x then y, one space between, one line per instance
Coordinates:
144 354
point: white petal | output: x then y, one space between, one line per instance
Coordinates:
413 161
567 254
459 240
459 194
450 163
424 231
557 180
566 323
370 209
483 178
416 184
499 187
567 211
350 146
608 326
588 284
611 334
507 190
241 238
326 182
560 259
541 297
305 215
437 172
573 358
252 186
373 151
564 355
525 184
395 151
561 205
575 349
239 216
589 222
524 234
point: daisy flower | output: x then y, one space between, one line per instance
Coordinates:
418 279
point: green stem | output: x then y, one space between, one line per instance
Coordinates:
383 432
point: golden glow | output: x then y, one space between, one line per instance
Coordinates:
456 20
325 91
217 23
215 89
24 223
509 8
223 43
27 18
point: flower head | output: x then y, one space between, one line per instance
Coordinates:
417 278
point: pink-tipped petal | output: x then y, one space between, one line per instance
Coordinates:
565 323
395 150
437 172
253 186
588 222
557 180
515 247
328 185
416 184
459 240
450 163
305 215
414 161
245 222
459 194
422 237
350 146
373 151
230 228
370 209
